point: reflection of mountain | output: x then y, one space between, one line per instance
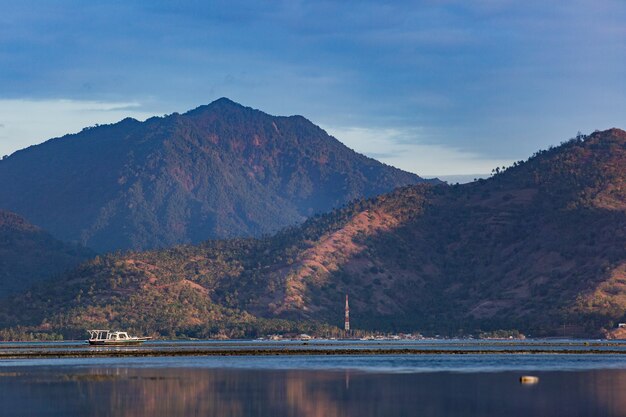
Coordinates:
605 390
242 393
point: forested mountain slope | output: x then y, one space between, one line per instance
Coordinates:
221 170
539 247
29 255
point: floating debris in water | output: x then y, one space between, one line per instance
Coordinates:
529 380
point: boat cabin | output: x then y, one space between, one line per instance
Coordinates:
107 335
109 338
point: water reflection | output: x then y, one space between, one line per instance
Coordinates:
222 392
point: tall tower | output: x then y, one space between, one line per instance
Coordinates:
347 323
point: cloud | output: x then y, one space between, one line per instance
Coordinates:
404 149
27 122
488 80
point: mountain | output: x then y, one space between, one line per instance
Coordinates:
221 170
29 255
539 247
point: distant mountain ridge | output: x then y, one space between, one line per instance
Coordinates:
217 171
539 247
29 255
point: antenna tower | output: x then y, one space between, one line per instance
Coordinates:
347 322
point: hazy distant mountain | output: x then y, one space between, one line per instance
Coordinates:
540 247
217 171
29 255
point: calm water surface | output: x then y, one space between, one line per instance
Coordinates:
345 385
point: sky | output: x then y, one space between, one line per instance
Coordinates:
436 87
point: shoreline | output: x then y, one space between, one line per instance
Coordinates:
130 352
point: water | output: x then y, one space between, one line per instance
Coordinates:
460 383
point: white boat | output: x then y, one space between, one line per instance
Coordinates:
109 338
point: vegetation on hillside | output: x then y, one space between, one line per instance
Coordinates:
539 247
29 255
219 171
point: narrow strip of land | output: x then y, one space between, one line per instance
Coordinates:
317 345
126 352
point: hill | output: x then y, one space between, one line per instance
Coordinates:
221 170
29 255
539 247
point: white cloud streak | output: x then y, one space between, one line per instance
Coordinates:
26 122
402 148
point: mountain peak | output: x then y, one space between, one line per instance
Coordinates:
225 101
220 170
222 103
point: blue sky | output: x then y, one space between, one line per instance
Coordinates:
434 87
